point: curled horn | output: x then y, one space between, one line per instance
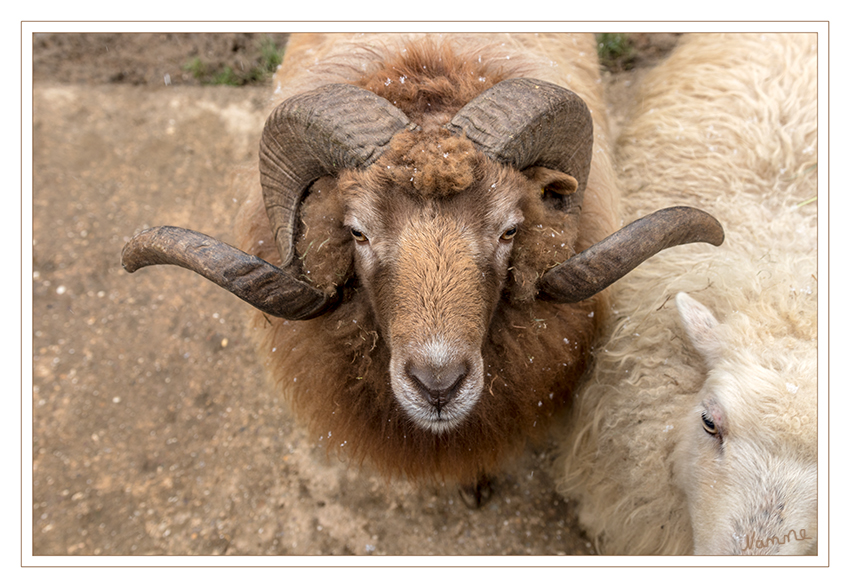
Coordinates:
523 122
306 137
602 264
255 281
317 134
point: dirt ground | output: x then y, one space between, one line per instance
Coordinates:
155 431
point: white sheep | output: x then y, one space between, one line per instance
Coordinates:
693 435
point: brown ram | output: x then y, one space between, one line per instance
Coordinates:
430 249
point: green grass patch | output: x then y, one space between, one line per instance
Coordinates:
271 55
615 51
263 63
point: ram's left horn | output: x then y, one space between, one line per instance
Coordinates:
602 264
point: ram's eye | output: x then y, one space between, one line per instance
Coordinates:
708 424
508 235
358 236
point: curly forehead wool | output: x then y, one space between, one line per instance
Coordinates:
437 164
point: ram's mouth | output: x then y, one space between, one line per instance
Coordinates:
439 422
438 419
440 398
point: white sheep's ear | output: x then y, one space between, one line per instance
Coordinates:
700 326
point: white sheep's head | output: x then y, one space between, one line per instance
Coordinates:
747 457
432 249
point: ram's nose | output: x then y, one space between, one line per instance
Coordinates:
439 383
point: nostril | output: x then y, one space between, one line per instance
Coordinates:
438 384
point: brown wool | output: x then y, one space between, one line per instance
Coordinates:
428 78
323 245
530 368
438 163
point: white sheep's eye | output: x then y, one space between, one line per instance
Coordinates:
708 424
358 236
508 235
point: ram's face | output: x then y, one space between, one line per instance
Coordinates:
432 245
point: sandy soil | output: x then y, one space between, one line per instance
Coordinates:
154 428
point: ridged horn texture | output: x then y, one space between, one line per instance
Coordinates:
317 134
523 122
602 264
252 279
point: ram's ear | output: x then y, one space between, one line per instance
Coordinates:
324 246
557 189
701 327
